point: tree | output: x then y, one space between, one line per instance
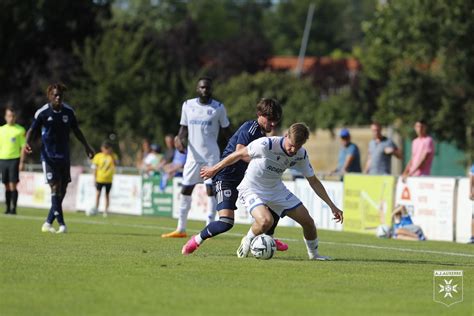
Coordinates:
36 39
418 54
336 25
241 93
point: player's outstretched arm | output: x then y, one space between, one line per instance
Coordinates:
209 172
80 136
319 189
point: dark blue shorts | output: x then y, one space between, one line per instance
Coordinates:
57 172
226 194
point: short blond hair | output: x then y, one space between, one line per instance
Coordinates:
298 133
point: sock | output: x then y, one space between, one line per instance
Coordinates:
185 205
57 207
276 218
51 216
215 228
312 246
8 195
14 197
211 209
250 235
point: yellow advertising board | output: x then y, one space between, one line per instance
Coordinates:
368 202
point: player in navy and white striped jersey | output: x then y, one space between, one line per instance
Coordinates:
226 181
55 120
262 188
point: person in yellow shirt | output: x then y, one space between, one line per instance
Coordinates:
12 141
104 164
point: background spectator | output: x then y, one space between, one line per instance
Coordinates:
422 153
349 156
381 149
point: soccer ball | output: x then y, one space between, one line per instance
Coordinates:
263 247
383 231
92 211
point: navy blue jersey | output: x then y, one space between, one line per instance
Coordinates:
247 132
55 127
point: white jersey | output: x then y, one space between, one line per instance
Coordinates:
203 122
268 162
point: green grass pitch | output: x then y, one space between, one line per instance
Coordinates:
121 266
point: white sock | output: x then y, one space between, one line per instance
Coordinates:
184 206
250 235
211 209
198 239
312 246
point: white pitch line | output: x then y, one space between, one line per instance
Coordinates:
81 221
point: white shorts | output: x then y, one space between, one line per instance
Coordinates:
279 201
191 174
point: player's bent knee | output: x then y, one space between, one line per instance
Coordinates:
265 223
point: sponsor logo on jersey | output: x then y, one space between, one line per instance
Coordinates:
292 163
275 169
209 112
13 139
200 122
49 118
227 193
65 118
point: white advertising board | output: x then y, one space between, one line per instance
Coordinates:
33 191
430 202
318 209
464 211
125 196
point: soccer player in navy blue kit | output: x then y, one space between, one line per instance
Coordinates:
226 181
55 120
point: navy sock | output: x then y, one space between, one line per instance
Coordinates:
14 200
218 227
276 218
51 216
8 197
56 201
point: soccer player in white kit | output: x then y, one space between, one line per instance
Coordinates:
262 188
201 119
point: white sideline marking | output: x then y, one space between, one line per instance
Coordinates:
81 221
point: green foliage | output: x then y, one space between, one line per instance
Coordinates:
36 39
123 89
241 93
341 109
418 55
336 25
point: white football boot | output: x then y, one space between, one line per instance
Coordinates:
62 229
244 247
47 228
